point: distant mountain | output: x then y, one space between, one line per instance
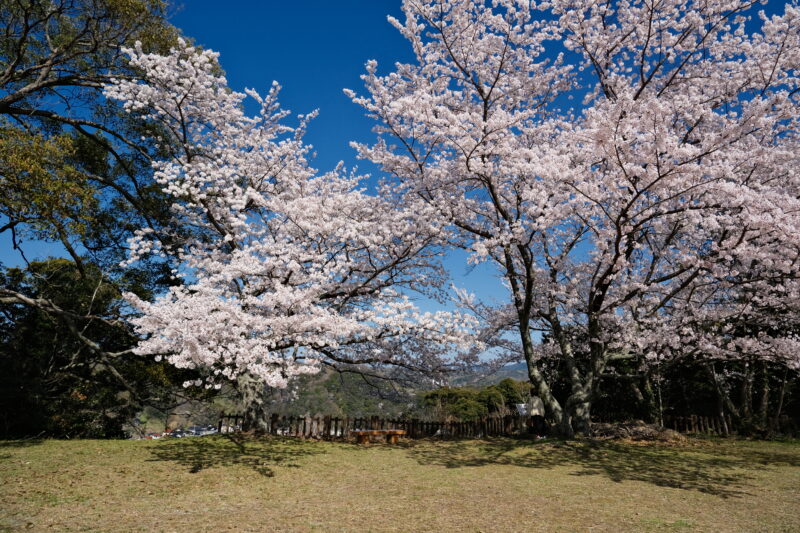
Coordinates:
478 378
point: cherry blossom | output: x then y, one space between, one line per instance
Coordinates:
282 269
658 215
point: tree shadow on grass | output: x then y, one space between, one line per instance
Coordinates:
712 470
769 458
259 454
22 443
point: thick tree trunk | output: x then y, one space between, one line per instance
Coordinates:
581 415
721 415
650 402
720 408
551 404
253 393
576 420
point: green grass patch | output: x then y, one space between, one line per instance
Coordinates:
279 484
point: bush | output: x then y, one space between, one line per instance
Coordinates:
492 397
514 391
470 404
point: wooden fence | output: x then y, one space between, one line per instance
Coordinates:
327 427
708 425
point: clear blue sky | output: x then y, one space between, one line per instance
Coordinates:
313 48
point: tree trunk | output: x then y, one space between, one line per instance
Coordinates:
551 404
776 419
723 400
720 400
576 418
746 394
650 403
763 400
581 415
253 393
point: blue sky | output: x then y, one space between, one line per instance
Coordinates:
313 48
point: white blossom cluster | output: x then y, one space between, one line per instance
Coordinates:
282 269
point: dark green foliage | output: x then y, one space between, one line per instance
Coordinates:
52 383
759 397
75 169
514 391
467 409
458 403
492 397
471 404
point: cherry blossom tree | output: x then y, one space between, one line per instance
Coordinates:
282 269
630 167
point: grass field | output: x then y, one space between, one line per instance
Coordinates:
225 484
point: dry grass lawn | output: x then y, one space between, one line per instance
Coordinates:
236 484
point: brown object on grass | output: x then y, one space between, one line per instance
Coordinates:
363 435
636 431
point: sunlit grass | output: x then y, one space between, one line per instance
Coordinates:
220 483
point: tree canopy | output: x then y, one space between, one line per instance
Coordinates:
629 168
653 219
